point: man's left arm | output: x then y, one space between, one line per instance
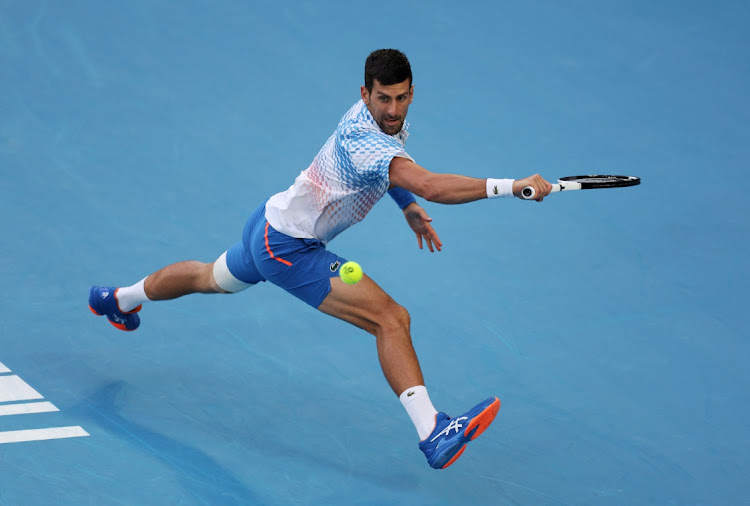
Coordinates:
402 197
420 223
417 218
415 215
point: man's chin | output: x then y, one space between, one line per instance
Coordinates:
391 129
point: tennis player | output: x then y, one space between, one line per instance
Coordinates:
285 242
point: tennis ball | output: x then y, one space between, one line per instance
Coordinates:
350 273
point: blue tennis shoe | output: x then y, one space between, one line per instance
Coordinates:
103 302
451 435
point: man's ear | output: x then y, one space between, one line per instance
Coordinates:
365 95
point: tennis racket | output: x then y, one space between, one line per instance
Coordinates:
585 183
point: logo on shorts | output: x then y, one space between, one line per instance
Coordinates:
335 266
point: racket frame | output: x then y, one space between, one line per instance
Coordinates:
580 183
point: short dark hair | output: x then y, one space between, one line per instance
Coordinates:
388 66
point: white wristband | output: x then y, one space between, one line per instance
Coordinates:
499 188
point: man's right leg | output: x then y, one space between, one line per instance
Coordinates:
181 278
232 272
177 280
121 305
191 276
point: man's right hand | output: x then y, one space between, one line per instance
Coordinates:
540 185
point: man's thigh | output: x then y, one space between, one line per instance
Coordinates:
302 267
364 304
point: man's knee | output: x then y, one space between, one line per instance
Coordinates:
394 319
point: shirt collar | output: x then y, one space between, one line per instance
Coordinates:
401 135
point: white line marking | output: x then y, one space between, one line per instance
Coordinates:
25 409
13 388
19 436
3 368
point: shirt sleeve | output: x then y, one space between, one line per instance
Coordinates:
371 152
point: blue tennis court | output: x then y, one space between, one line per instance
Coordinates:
611 323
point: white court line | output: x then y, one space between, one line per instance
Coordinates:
3 368
25 409
13 388
20 436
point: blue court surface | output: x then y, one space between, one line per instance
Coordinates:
612 324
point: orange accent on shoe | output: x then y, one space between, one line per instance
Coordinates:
120 326
483 419
481 422
268 248
117 303
455 457
92 310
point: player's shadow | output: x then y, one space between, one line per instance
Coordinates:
200 475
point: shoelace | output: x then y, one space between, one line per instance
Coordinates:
455 424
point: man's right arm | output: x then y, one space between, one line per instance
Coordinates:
452 188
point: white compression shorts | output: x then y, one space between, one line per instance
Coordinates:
225 279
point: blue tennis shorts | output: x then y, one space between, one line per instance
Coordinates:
302 267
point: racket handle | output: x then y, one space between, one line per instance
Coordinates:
529 192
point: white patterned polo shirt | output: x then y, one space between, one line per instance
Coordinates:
344 181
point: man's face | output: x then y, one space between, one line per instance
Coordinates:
389 104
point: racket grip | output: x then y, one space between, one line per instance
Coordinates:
528 192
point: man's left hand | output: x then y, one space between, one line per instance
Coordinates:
419 222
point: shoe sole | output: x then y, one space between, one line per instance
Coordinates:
476 427
114 324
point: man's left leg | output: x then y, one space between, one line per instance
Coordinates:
366 305
370 308
307 270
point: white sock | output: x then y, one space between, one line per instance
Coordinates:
418 405
130 297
